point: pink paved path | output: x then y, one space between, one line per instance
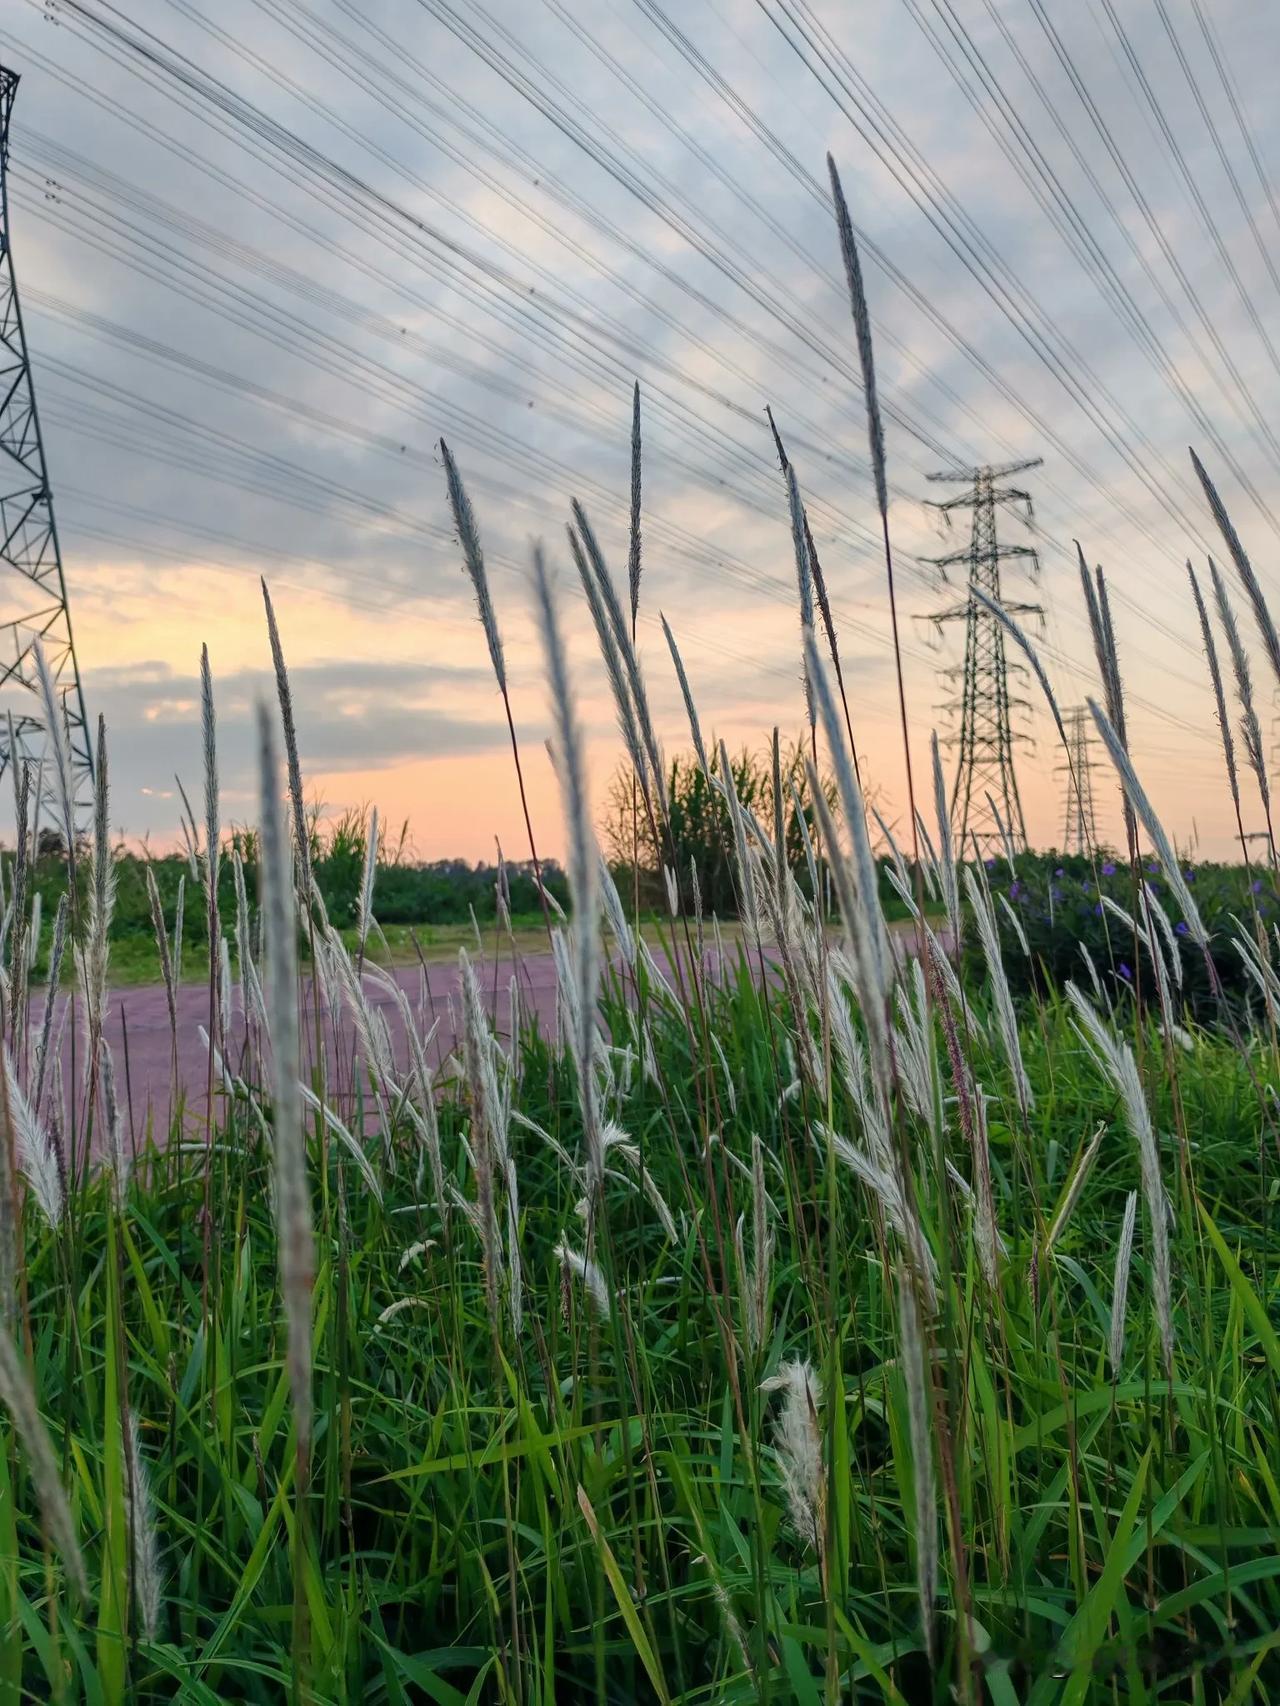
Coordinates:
138 1029
139 1034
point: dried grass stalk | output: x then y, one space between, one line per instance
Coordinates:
294 1232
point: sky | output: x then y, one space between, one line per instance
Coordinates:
270 251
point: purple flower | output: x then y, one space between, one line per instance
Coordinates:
1256 887
990 864
1098 908
1181 928
1059 872
1108 870
1152 869
1124 971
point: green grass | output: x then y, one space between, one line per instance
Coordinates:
135 959
1119 1534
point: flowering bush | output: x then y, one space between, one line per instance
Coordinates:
1061 903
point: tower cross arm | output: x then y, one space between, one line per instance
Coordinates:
967 476
997 553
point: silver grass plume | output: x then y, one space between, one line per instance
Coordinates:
626 650
1115 1058
1157 912
344 1136
212 827
55 723
502 890
985 1225
585 1270
57 948
1006 1018
1104 648
615 912
806 840
1094 980
1120 1284
855 814
190 836
932 873
1258 965
295 1237
913 1049
284 694
582 860
1018 635
1155 829
143 1538
640 1179
1006 837
178 907
633 551
783 885
37 1155
367 880
871 1000
797 1440
1244 568
862 329
1015 924
924 1487
865 920
33 933
815 565
473 559
1152 945
117 1149
738 823
20 1400
1219 697
224 985
1103 644
761 1248
613 665
102 892
1250 729
882 1177
804 582
946 847
162 944
691 710
488 1145
14 911
1071 1195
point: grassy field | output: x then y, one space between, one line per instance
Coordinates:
892 1328
615 1505
135 959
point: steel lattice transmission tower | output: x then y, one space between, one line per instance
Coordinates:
985 783
33 593
1079 821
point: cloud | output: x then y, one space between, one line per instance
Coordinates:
315 344
353 717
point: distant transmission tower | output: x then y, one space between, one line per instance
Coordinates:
1079 823
33 594
984 775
